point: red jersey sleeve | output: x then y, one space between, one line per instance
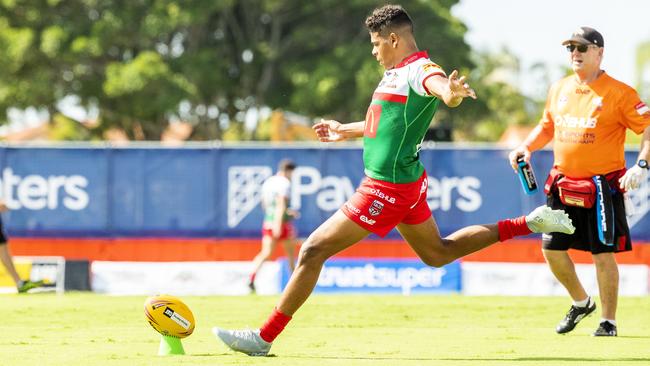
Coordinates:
635 113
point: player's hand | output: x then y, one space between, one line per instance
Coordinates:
459 87
294 214
516 153
3 207
633 178
329 131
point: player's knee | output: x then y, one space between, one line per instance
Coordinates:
311 254
436 261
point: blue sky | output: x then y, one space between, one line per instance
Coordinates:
534 30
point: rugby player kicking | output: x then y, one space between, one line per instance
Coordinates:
393 194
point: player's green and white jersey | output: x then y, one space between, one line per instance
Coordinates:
397 119
273 188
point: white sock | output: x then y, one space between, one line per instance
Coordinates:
583 303
611 321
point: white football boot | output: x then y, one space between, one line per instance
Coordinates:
247 341
545 220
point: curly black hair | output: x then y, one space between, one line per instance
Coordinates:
388 17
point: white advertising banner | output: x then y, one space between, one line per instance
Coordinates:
182 278
525 279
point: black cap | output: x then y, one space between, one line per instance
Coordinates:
586 35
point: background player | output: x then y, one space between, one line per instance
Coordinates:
278 217
5 257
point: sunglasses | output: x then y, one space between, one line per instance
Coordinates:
582 48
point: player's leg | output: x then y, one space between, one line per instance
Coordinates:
555 247
424 236
268 246
290 250
436 251
564 271
607 269
334 235
607 274
6 259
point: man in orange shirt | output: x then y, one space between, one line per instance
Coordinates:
587 114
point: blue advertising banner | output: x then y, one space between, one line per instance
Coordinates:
403 276
215 192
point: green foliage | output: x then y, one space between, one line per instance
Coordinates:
643 69
138 60
207 62
500 103
63 128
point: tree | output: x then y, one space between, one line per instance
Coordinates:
643 69
144 62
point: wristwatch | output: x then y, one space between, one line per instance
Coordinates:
643 164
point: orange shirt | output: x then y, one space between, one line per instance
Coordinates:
589 122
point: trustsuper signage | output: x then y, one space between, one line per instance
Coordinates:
405 276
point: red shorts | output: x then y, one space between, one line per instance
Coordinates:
287 231
379 206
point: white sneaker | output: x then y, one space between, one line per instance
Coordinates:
247 341
545 220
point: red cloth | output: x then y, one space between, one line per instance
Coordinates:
274 325
378 206
510 228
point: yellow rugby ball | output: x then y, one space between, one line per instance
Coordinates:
169 316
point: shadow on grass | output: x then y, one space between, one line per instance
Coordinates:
576 359
518 359
225 354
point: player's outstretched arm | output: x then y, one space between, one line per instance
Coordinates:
452 90
333 131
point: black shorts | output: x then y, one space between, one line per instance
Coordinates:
3 235
586 235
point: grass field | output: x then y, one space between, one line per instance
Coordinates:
89 329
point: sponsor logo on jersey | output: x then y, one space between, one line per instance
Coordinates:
583 91
375 208
389 80
570 121
598 102
431 68
368 221
355 210
382 195
642 109
562 101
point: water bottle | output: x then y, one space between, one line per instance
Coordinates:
526 176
